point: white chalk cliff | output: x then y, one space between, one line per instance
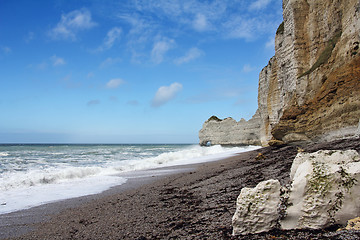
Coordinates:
230 132
310 89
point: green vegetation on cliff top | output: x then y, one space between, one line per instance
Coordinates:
214 118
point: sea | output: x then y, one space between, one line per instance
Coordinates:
35 174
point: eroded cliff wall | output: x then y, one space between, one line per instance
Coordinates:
230 132
310 89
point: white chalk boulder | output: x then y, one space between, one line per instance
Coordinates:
325 189
257 208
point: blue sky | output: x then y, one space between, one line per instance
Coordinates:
131 71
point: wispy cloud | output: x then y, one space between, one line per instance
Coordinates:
166 93
113 35
270 44
239 27
141 35
57 61
109 62
248 68
248 28
200 23
54 61
149 19
192 54
71 23
259 4
114 83
160 48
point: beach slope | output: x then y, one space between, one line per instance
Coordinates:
194 204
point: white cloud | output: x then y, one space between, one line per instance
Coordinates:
192 54
200 23
249 28
112 35
149 19
109 62
159 50
114 83
72 23
259 4
239 27
141 30
215 20
270 44
51 61
57 61
165 94
140 36
248 68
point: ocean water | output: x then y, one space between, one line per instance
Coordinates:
31 175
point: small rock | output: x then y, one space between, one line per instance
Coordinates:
275 143
353 224
260 156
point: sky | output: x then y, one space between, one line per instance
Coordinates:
129 71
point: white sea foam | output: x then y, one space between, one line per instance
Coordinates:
4 154
27 197
194 154
32 175
36 177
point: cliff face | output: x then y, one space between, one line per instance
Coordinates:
230 132
310 89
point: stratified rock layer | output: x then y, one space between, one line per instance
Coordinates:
310 89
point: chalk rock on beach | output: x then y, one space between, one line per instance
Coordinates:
325 189
257 208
